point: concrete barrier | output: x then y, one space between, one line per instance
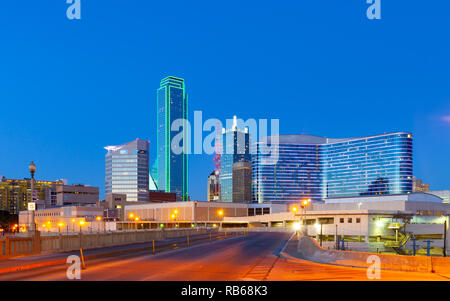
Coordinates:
20 246
309 249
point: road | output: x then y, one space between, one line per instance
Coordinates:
249 257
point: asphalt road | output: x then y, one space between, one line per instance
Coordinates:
249 257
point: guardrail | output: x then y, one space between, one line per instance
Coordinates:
259 229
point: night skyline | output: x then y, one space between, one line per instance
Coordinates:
69 89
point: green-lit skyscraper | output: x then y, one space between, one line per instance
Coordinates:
171 167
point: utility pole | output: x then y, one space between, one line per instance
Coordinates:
337 238
445 237
32 169
321 234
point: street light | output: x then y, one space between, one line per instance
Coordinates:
81 223
60 224
32 169
304 204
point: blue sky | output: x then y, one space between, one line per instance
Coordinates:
69 88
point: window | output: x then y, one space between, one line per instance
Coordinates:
341 220
349 220
358 220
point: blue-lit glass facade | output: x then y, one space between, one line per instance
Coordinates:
236 148
318 168
127 170
171 167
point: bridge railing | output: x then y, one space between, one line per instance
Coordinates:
18 246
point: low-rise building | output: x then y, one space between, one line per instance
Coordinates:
369 223
188 214
65 219
443 194
76 195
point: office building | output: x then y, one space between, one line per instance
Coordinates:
316 168
242 182
171 166
127 170
419 186
15 194
76 195
236 148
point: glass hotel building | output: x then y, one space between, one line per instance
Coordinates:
127 170
318 167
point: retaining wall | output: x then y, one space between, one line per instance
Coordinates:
309 249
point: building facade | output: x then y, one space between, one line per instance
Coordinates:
443 194
76 195
242 182
311 167
419 186
171 166
127 170
15 194
236 149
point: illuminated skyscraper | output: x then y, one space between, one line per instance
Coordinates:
127 170
235 179
171 167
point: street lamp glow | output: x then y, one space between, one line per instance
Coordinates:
317 226
379 223
175 211
136 218
294 209
82 223
131 215
297 226
306 202
98 218
220 212
60 224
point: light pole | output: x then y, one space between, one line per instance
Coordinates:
303 205
32 169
